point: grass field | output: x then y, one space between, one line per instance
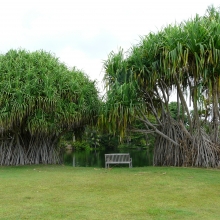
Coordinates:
64 192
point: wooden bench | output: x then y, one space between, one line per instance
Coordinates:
118 159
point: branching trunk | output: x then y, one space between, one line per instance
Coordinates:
183 102
175 145
215 112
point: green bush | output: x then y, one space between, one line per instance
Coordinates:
81 145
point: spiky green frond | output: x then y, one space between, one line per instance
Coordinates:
40 94
187 54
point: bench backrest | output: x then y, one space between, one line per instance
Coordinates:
117 157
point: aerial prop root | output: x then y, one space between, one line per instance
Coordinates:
192 150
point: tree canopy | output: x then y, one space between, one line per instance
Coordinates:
184 58
40 99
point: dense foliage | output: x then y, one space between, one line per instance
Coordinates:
40 99
184 58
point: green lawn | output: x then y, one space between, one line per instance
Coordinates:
63 192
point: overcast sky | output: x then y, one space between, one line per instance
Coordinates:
83 32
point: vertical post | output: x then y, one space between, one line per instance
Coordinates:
74 160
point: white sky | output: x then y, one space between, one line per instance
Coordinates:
83 32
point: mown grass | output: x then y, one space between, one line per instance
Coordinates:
63 192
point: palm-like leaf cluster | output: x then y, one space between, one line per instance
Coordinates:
183 57
40 98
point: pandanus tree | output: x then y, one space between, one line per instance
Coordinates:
184 58
40 100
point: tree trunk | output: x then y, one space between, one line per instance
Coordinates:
215 112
